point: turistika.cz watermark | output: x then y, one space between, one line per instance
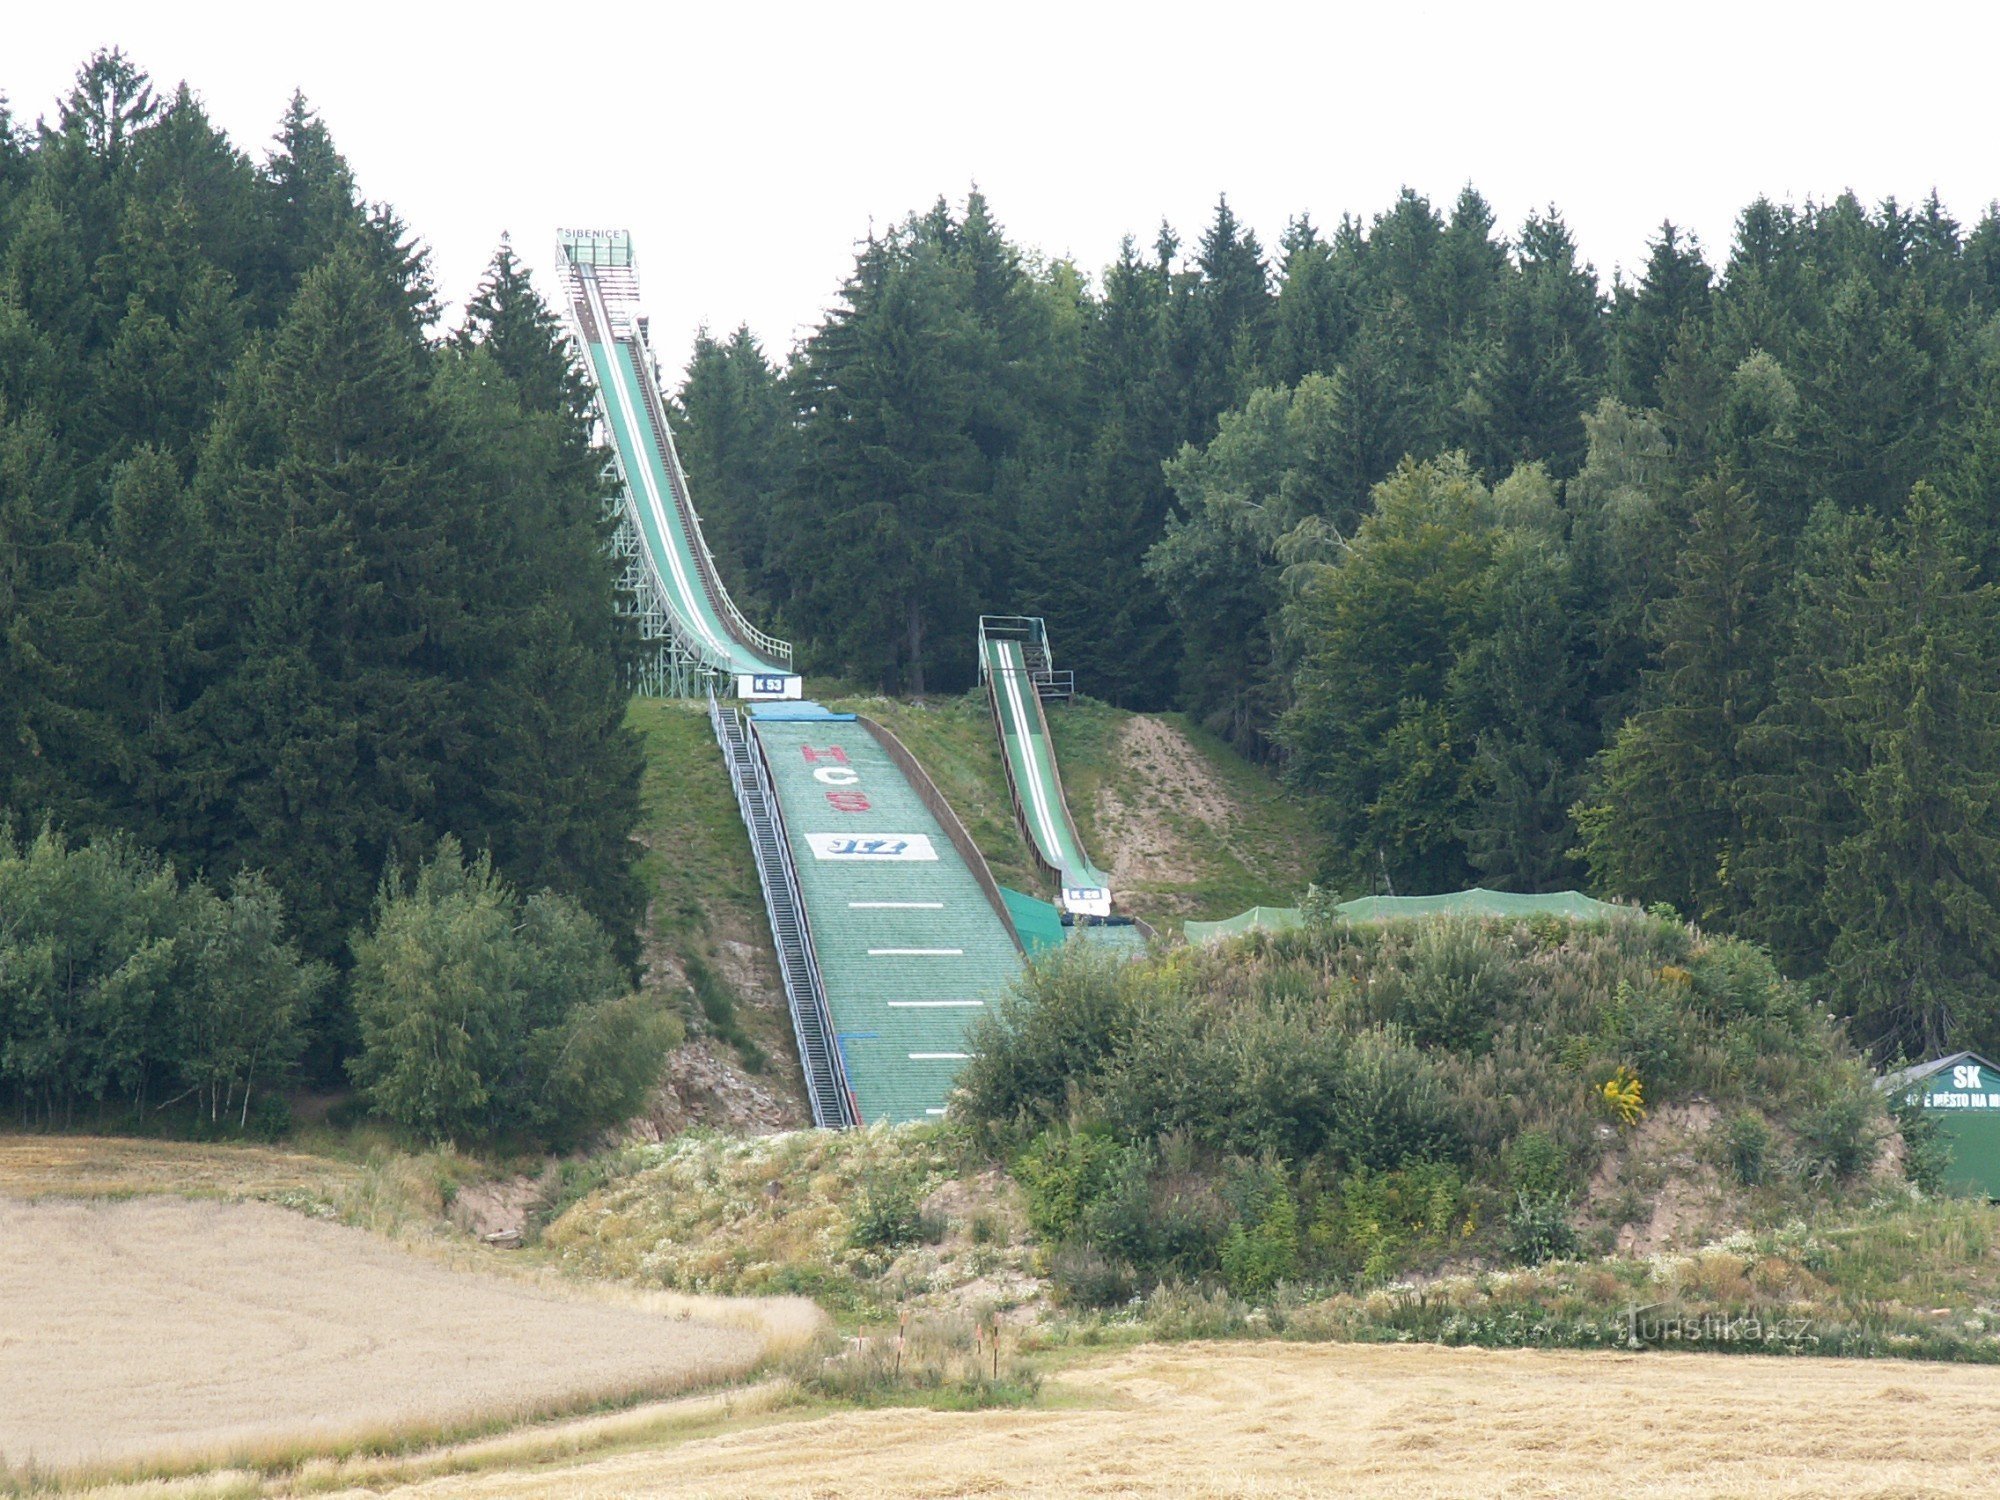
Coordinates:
1646 1328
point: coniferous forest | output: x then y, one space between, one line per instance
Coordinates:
1680 588
290 583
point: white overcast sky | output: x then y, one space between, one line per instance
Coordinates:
748 146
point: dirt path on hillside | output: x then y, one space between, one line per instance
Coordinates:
1364 1421
160 1324
1161 773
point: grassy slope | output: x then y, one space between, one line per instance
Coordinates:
704 890
1260 854
954 740
698 862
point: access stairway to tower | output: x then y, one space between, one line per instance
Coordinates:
1018 670
699 641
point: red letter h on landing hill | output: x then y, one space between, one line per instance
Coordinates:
814 757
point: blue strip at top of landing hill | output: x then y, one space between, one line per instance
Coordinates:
797 713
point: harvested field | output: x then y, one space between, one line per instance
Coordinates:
36 1166
159 1327
1362 1420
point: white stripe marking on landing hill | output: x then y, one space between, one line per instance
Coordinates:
939 1056
916 953
933 1004
895 906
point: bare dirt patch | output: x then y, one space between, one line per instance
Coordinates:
496 1212
1659 1166
1162 770
1361 1421
163 1326
703 1085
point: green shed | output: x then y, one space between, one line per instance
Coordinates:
1962 1093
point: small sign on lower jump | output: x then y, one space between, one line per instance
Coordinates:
846 846
768 685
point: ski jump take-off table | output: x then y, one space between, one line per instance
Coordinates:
891 936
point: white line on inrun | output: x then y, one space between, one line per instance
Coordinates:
932 1004
647 481
1037 800
895 906
933 1111
939 1056
916 953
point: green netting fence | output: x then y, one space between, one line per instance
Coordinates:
1038 922
1473 903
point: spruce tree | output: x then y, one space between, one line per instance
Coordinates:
1521 689
1869 415
1232 310
1914 890
892 486
1672 292
1110 619
737 442
1662 823
338 710
1795 802
1315 313
509 320
1546 365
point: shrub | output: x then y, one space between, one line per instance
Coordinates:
1121 1218
1083 1276
1063 1172
1262 1246
1282 1068
1840 1137
1746 1145
271 1120
888 1214
1646 1027
1456 984
1374 1222
1393 1106
1044 1042
1174 1072
481 1013
718 1010
1925 1154
1539 1229
1536 1164
1736 981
